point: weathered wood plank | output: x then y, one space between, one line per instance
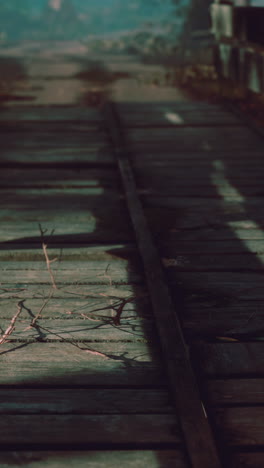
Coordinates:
89 430
234 192
241 426
191 139
94 296
171 157
220 262
43 139
247 460
201 448
99 364
60 177
50 114
54 128
76 215
69 253
84 401
103 459
242 320
232 285
210 231
71 272
104 306
85 330
182 247
235 391
229 359
87 154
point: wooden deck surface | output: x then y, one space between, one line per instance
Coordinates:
82 379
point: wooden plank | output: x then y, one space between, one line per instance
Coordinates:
89 430
229 359
193 421
241 320
68 253
242 262
158 157
241 426
78 306
129 365
164 190
50 114
76 215
202 203
172 117
103 459
60 177
187 143
225 247
231 285
78 156
84 401
93 296
191 139
53 127
247 460
71 272
235 392
44 140
210 231
85 330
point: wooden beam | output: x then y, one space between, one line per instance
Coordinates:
190 411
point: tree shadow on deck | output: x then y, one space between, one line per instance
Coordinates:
77 210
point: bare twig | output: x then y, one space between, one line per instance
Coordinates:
11 327
48 263
33 323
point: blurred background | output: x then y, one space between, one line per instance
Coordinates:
213 49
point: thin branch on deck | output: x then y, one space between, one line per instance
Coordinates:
12 325
48 261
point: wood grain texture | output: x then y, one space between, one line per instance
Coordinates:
92 459
235 391
85 330
75 215
71 272
84 401
191 139
247 460
88 154
229 359
102 306
113 430
241 426
200 443
46 114
103 364
60 177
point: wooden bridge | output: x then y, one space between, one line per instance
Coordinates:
132 250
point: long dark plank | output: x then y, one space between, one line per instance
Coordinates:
229 359
89 430
100 459
93 364
235 391
241 426
84 401
196 430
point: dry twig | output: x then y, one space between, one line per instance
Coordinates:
48 261
11 327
